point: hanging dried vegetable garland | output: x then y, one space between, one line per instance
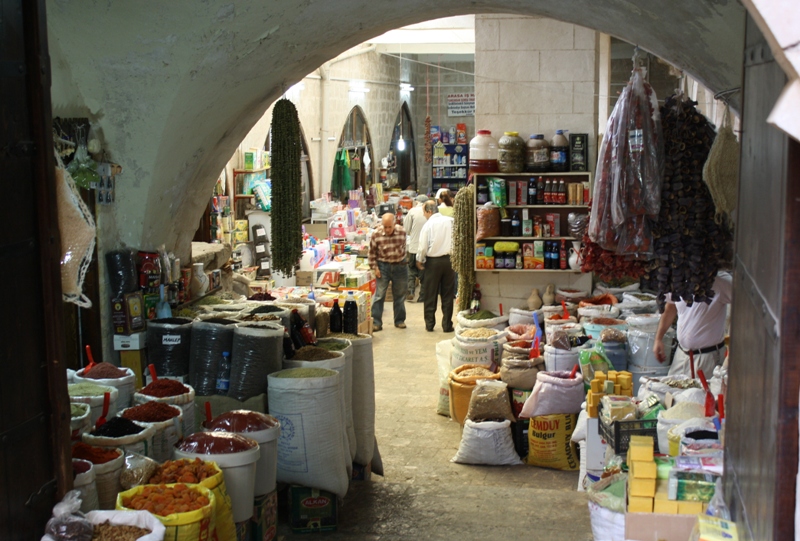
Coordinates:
607 265
287 213
428 143
462 252
689 244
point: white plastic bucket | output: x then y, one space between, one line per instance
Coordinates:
644 322
640 348
637 372
267 465
239 470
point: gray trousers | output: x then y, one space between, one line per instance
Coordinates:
439 279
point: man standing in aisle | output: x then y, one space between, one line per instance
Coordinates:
413 223
435 242
701 331
387 260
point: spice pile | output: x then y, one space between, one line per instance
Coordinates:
183 471
151 412
117 427
313 353
333 346
480 332
104 371
481 314
78 410
87 389
162 388
165 500
476 372
261 297
113 532
95 455
303 373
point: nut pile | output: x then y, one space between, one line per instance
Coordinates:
113 532
688 241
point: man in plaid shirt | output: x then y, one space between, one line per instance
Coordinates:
387 259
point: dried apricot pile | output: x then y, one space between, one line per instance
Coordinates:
183 471
165 500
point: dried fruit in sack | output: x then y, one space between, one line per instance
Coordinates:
183 471
689 244
488 222
165 500
560 340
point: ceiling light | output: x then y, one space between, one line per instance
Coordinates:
406 87
401 145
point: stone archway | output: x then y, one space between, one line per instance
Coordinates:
174 88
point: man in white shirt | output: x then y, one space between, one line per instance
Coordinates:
435 241
413 223
701 331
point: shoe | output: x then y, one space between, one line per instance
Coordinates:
400 325
429 329
377 328
449 329
410 298
419 299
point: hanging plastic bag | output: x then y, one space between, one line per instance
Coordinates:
68 523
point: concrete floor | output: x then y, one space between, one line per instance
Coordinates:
425 496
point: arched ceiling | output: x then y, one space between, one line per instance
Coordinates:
175 86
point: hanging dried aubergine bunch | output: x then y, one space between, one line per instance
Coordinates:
287 212
688 242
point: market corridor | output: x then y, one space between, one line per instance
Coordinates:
424 495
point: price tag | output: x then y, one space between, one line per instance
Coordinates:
260 248
265 265
260 231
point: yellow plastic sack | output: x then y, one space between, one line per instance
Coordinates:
195 525
223 512
506 246
461 390
550 442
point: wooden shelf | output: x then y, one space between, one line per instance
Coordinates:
248 171
192 301
526 238
543 206
242 196
529 270
523 174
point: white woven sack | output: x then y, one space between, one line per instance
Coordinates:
96 403
518 316
106 477
488 443
607 525
485 352
140 519
125 385
554 395
166 435
560 359
311 448
140 443
501 321
363 399
339 365
348 393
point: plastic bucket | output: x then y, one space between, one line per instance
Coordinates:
640 348
638 372
267 465
617 353
239 470
593 330
644 322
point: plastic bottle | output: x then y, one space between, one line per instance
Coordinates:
531 191
350 317
483 153
563 255
516 224
537 155
224 374
518 264
475 303
548 193
562 192
511 153
540 185
336 318
559 153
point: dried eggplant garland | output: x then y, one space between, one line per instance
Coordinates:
287 198
462 252
689 244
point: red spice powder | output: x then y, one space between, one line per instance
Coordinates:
104 371
151 412
95 455
165 387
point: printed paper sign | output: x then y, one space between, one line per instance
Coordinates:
461 104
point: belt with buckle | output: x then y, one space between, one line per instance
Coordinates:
709 349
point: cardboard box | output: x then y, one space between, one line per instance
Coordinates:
265 517
649 526
241 225
518 398
328 275
260 286
128 314
241 236
136 361
361 472
312 510
304 278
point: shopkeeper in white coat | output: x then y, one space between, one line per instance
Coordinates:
701 331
